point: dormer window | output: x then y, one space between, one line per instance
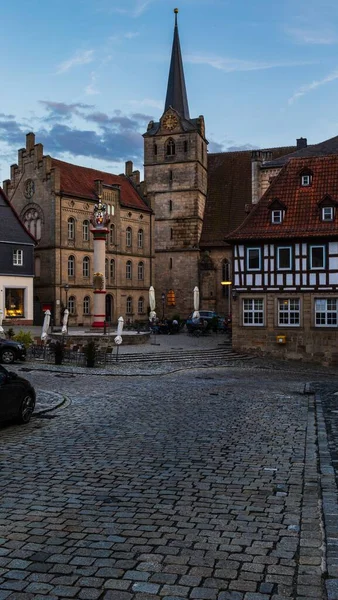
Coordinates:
327 213
276 217
306 180
306 177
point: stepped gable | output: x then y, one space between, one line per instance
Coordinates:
302 213
229 191
79 181
12 228
326 148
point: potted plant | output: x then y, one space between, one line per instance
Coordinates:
89 351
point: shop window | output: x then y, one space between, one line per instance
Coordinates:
14 303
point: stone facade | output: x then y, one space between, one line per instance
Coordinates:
62 225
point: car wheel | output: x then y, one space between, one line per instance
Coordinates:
26 408
7 356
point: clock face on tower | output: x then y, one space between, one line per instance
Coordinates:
29 189
170 122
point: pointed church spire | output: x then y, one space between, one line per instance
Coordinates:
176 92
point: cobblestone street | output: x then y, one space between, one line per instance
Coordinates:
200 484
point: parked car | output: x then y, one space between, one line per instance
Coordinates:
10 350
17 397
205 316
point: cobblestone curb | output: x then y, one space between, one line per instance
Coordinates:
49 401
330 504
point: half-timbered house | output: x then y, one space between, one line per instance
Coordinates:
285 265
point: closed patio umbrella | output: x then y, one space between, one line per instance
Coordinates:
152 303
118 338
1 328
65 321
45 326
196 314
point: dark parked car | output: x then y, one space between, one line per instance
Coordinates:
206 316
11 351
17 397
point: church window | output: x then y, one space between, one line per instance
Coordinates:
170 175
171 150
71 228
112 234
185 146
129 306
170 205
32 223
85 231
71 266
140 237
128 270
86 305
128 237
155 149
37 266
86 266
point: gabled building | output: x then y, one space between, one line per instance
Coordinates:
16 267
55 200
285 261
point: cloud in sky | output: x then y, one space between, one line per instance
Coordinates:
230 65
80 58
311 36
305 89
148 102
62 111
91 89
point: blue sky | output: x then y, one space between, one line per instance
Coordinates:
87 75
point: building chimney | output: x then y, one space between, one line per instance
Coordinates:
256 162
129 168
30 141
135 177
301 143
98 187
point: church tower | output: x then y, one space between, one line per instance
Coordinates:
175 169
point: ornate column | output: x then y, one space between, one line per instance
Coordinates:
99 221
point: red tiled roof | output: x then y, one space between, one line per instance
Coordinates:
229 190
302 216
80 182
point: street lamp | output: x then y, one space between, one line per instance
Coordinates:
229 284
163 301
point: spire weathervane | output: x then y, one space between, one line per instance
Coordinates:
176 13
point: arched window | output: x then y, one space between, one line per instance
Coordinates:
32 222
128 269
86 305
129 305
140 306
170 205
140 238
106 269
171 150
71 305
128 237
86 266
170 263
37 266
140 271
71 266
85 231
155 149
112 269
71 228
112 234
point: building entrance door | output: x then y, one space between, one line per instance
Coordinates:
109 308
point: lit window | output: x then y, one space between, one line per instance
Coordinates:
253 311
253 257
18 258
86 305
327 213
289 312
140 238
71 228
128 237
284 258
140 271
276 217
85 231
14 302
86 267
317 257
128 270
326 312
71 305
140 306
71 266
129 305
306 180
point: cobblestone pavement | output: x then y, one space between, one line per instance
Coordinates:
198 485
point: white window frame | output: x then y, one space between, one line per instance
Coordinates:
285 303
257 308
140 238
112 234
86 305
326 313
18 258
71 266
129 305
129 237
312 247
129 270
140 306
71 228
277 217
248 250
71 305
140 271
330 214
86 267
290 255
85 231
306 180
